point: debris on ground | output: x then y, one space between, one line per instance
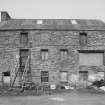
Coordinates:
102 88
98 85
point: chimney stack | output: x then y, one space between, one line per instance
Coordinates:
4 16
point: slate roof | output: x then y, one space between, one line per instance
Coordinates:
53 24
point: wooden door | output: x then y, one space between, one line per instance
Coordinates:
83 78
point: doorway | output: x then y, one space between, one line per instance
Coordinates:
83 78
24 53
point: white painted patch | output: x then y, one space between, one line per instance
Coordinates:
53 87
57 99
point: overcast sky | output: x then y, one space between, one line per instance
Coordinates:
82 9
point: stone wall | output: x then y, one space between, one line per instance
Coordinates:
54 41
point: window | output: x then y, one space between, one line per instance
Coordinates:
63 76
6 76
91 58
44 76
24 38
44 54
64 54
6 73
83 38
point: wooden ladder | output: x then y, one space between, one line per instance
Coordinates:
25 72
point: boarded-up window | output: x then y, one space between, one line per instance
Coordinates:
63 76
24 38
44 76
64 54
44 54
83 38
91 59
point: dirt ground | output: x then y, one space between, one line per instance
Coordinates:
72 98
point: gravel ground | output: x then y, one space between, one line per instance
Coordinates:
74 97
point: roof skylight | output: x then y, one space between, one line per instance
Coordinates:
74 22
39 22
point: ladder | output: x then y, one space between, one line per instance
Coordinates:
24 72
24 75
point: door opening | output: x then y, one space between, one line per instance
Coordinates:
83 78
23 58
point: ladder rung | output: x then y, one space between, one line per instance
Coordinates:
24 73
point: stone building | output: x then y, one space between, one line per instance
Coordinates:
54 51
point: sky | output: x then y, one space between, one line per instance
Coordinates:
54 9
